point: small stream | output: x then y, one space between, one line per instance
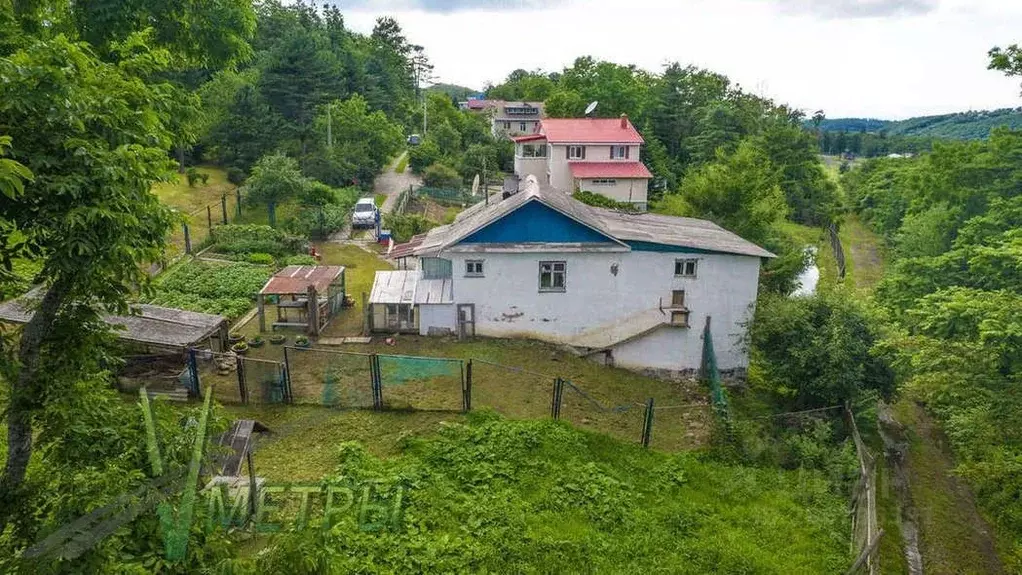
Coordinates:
810 277
895 450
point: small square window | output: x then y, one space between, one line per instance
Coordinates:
576 152
618 152
552 276
678 298
679 318
685 268
474 268
521 126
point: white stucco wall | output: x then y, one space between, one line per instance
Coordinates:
560 171
508 301
436 315
525 167
625 190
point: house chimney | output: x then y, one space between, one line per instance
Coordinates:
624 121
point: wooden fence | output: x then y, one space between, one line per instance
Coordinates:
863 508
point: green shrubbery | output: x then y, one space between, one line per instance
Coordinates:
195 176
236 175
502 496
403 226
242 240
441 176
225 289
601 201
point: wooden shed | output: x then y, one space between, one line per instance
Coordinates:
305 297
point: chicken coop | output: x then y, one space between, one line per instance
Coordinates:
302 297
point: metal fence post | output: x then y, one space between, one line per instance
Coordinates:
193 373
647 423
555 401
467 393
376 381
223 207
287 377
188 240
242 388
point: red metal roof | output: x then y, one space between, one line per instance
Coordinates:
589 131
482 104
297 279
609 170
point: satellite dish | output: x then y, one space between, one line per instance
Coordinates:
591 107
475 185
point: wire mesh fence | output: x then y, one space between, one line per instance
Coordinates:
195 232
422 383
332 378
511 391
625 421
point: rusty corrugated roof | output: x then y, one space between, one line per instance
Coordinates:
297 279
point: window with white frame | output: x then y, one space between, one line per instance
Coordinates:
522 126
507 125
604 182
685 268
552 276
474 268
619 152
576 152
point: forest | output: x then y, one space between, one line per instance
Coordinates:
102 101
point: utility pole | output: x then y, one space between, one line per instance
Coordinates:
486 185
424 116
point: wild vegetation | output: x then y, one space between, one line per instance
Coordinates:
951 219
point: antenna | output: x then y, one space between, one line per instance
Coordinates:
591 107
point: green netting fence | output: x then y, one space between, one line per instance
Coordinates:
422 383
711 374
629 421
445 196
331 378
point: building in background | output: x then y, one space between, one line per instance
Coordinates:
599 155
507 119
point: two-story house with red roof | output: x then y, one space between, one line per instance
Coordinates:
599 155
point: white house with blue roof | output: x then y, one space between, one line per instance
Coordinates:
630 289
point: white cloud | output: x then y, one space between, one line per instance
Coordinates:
857 8
897 66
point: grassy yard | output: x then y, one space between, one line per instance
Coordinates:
191 202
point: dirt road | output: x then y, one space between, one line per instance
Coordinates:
392 183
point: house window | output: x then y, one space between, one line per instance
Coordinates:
507 125
679 318
552 276
685 268
576 152
534 150
474 268
619 152
604 182
521 126
678 298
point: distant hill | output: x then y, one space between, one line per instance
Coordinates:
960 126
453 90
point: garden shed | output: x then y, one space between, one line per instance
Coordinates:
305 297
407 301
157 329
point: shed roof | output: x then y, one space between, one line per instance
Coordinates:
297 279
621 330
619 227
408 287
152 325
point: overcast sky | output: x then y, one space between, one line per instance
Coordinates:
877 58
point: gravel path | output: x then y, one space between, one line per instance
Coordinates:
392 183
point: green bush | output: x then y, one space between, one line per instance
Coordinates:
253 238
300 260
817 351
601 201
402 227
441 176
259 258
236 175
193 176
